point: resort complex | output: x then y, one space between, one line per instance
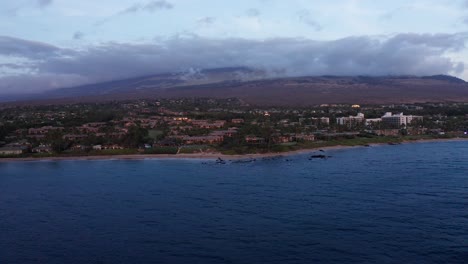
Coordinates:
230 126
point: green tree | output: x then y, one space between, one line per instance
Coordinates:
135 137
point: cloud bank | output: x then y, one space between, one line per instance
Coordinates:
46 66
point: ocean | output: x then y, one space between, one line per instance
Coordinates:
382 204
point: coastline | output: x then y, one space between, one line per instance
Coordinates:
209 156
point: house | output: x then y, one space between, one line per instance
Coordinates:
88 129
224 133
42 149
254 140
203 140
237 121
387 132
305 137
282 138
43 130
97 147
16 150
21 143
74 137
112 147
79 147
207 124
95 124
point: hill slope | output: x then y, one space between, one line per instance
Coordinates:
332 89
253 87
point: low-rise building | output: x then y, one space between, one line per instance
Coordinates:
74 137
305 137
254 140
203 140
97 147
386 132
237 121
224 133
42 149
16 150
43 130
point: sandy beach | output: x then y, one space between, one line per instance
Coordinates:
209 156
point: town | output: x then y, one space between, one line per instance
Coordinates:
205 125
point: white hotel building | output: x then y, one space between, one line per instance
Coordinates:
396 120
351 120
399 119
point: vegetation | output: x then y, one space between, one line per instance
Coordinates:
188 126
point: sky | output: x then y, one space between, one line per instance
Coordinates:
47 44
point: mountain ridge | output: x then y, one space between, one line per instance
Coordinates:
258 87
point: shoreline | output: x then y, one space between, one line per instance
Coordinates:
204 156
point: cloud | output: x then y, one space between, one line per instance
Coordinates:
16 9
44 3
253 12
307 18
10 46
206 21
395 12
21 84
408 54
78 35
150 6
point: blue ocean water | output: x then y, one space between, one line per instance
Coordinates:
384 204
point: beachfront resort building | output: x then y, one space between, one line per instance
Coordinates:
394 120
351 120
399 119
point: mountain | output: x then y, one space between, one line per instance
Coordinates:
159 82
256 87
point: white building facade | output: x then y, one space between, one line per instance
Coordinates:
399 119
351 120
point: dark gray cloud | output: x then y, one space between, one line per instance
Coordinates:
14 66
413 54
307 18
150 6
10 46
19 84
